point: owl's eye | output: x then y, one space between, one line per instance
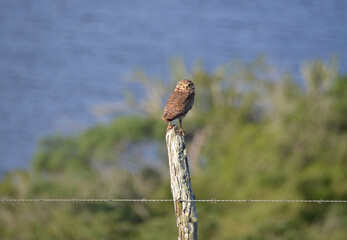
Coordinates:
181 84
189 84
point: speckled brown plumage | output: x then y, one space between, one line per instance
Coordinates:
179 103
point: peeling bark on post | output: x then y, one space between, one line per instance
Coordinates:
181 186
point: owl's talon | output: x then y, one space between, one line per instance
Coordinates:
168 127
182 132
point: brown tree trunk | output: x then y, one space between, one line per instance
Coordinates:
181 186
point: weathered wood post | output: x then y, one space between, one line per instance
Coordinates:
181 186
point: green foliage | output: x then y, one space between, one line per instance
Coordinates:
252 133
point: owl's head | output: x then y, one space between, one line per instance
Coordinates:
185 85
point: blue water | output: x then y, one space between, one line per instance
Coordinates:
59 58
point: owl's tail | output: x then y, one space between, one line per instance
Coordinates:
165 119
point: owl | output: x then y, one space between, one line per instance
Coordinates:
179 103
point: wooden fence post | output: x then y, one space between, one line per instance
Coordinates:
181 186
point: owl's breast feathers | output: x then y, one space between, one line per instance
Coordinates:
178 105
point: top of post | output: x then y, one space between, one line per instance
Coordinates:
174 132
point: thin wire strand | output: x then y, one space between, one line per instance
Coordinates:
213 200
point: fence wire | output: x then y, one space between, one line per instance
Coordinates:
144 200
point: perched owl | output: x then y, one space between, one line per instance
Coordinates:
179 103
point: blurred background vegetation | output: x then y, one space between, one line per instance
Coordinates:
252 133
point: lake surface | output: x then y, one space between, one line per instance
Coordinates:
59 58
